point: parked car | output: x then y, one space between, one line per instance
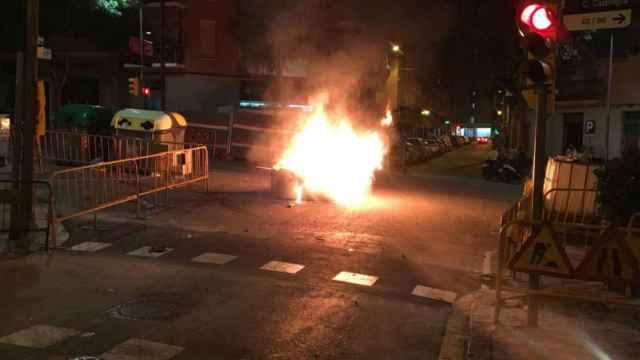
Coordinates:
447 140
423 150
482 140
435 146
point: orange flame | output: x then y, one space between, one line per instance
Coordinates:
387 120
333 159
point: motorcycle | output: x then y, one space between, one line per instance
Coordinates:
501 170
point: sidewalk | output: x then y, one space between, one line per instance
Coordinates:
568 329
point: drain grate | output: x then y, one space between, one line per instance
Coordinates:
146 309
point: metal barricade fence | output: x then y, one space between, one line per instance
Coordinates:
507 249
571 206
87 189
82 149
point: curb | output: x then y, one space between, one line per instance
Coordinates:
458 342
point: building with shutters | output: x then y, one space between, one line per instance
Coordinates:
580 119
202 62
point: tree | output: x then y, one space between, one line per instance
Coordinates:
115 7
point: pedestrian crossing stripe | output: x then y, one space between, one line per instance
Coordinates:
609 259
541 253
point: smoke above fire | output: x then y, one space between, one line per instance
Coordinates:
341 50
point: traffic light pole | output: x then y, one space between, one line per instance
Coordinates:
163 70
539 165
609 92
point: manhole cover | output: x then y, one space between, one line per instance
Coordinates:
146 309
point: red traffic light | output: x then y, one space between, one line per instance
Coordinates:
538 18
146 91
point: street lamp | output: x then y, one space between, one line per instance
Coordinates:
425 112
396 48
499 112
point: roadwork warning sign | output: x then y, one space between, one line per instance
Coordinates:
609 259
542 253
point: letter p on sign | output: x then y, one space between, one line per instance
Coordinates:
589 127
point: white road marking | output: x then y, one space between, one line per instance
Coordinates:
146 252
435 294
90 246
214 258
355 278
281 266
38 336
138 349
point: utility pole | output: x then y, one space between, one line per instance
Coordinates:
539 167
163 39
26 85
609 92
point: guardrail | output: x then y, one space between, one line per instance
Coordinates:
84 190
561 206
571 206
82 149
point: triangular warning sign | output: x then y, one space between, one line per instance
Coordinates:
541 253
610 258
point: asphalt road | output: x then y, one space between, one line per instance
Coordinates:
427 228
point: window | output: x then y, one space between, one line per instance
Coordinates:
573 131
207 38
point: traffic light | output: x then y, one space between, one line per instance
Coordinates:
538 27
539 18
146 91
134 86
539 30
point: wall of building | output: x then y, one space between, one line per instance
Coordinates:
201 93
556 133
624 97
225 60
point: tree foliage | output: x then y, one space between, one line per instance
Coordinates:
93 20
114 7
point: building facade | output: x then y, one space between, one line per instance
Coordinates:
202 62
583 118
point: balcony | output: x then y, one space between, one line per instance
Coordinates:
180 4
173 55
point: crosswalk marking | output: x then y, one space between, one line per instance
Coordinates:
38 336
214 258
90 246
148 252
280 266
355 278
435 294
138 349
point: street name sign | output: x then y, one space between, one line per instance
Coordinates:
589 6
598 20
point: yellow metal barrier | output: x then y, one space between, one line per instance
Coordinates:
82 149
87 189
509 246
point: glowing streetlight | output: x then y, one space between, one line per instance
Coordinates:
425 112
396 48
499 112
